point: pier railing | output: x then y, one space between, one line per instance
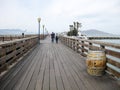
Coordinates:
112 51
13 37
12 50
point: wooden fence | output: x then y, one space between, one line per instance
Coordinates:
112 51
13 37
10 37
12 50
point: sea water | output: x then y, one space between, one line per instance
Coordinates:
114 41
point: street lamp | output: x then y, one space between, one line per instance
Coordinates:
43 31
39 19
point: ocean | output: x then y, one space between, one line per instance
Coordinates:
114 41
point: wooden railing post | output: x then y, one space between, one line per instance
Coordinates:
15 51
74 44
10 37
77 48
3 39
67 42
5 64
90 46
82 47
102 47
64 40
71 43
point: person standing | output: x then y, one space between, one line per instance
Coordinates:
56 38
52 36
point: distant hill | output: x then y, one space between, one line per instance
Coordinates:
94 32
12 32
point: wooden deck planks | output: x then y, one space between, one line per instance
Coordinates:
33 79
53 83
20 81
75 76
62 71
46 83
41 74
54 67
25 80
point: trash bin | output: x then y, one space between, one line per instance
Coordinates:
96 63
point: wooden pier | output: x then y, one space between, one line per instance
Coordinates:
52 66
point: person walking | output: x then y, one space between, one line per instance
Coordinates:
52 36
56 38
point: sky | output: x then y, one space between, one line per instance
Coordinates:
57 15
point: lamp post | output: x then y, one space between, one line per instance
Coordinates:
39 19
43 31
46 31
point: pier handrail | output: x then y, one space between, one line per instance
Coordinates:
112 51
10 51
14 37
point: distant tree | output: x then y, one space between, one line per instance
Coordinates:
73 33
69 33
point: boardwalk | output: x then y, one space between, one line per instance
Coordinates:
53 66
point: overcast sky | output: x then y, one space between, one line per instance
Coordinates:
57 15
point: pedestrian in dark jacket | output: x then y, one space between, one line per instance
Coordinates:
56 38
52 36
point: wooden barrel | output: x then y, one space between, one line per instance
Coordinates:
96 63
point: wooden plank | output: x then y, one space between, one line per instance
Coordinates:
64 77
20 82
12 54
17 40
103 43
46 84
113 72
67 71
40 78
21 72
113 53
53 82
78 66
27 80
2 60
113 62
58 76
66 82
33 80
2 52
68 61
